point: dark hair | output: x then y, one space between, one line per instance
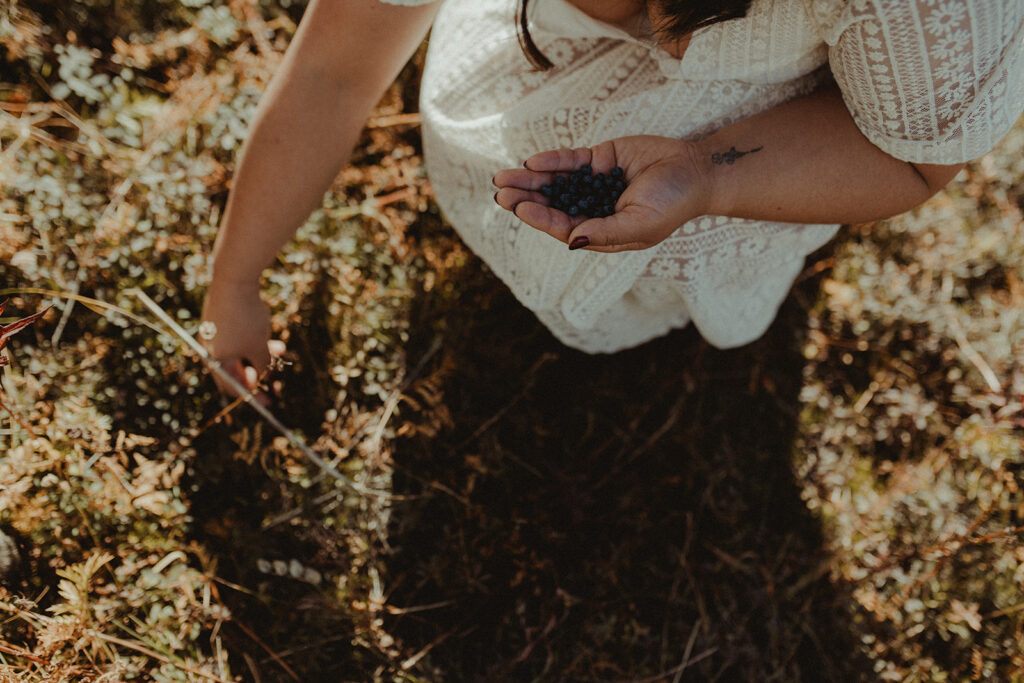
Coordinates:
682 17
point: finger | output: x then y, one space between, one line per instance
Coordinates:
245 375
546 219
522 178
252 383
275 347
622 231
603 157
559 160
510 197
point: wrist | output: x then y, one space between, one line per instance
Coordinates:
706 181
231 276
227 268
712 164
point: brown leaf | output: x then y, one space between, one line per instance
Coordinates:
8 331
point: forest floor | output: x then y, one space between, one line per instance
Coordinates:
839 500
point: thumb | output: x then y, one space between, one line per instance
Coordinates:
276 347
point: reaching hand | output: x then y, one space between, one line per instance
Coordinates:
240 338
665 188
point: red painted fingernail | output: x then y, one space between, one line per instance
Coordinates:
580 242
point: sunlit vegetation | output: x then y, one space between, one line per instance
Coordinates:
837 501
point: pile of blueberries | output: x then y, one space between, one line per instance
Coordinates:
583 193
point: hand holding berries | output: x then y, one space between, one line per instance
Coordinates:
623 194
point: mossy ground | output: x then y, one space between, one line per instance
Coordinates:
838 501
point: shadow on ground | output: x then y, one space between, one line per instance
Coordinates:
566 517
617 517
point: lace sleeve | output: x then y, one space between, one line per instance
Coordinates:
928 81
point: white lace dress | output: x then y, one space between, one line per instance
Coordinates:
928 81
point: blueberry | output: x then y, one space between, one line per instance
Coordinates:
582 192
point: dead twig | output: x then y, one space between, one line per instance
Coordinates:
65 316
17 418
394 120
674 413
686 652
531 377
972 355
273 655
411 661
396 395
1004 612
22 652
676 669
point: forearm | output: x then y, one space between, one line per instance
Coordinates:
342 58
806 162
297 143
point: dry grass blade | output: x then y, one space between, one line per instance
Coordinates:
94 305
249 399
973 356
113 640
273 655
676 670
23 653
837 501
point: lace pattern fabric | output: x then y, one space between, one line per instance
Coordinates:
484 108
931 81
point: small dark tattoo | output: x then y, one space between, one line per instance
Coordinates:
732 155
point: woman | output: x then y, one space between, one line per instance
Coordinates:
747 131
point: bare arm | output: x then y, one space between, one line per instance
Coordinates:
803 162
343 57
813 165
